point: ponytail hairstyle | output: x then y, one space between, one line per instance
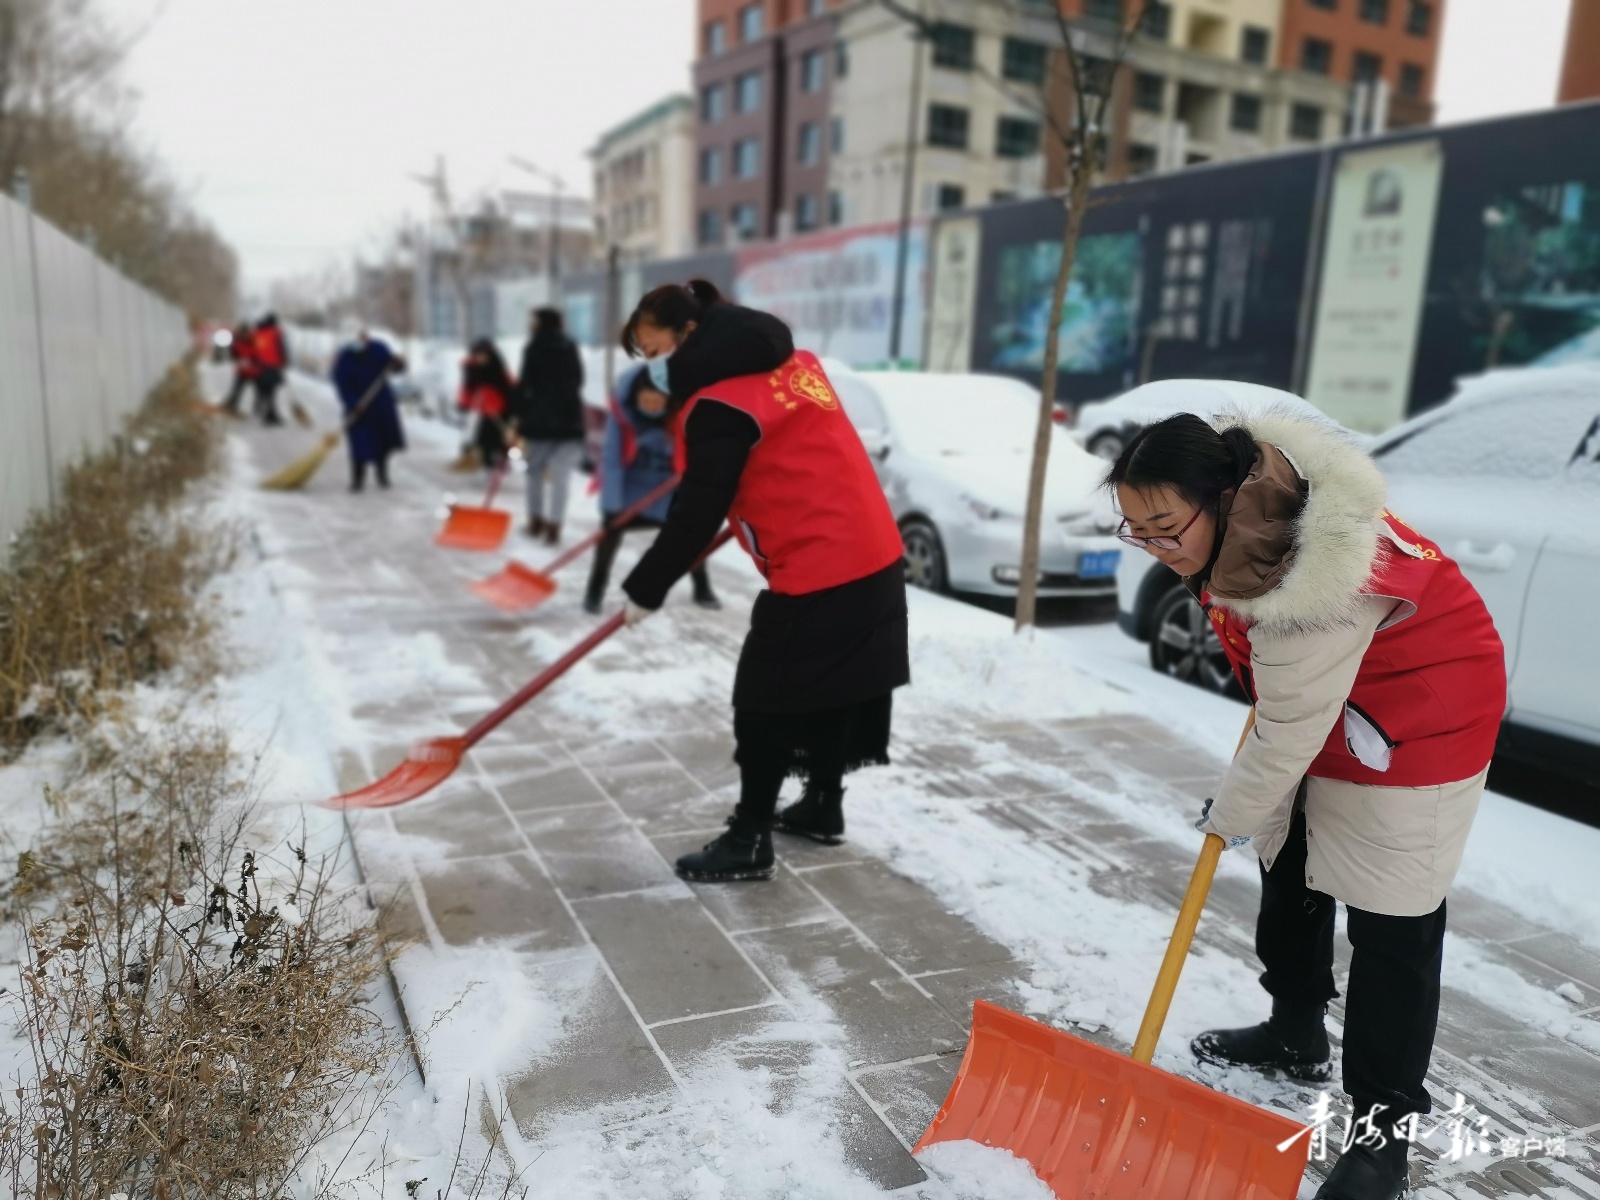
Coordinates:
671 306
1185 453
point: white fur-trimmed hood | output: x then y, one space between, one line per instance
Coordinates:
1335 538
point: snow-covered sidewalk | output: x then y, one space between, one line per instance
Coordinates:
637 1037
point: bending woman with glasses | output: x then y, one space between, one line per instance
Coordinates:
1379 684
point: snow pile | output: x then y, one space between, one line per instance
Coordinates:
976 1172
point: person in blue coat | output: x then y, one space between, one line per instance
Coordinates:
637 458
376 434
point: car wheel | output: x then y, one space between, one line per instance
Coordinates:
925 565
1184 645
1106 445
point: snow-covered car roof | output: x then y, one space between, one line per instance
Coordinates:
1580 380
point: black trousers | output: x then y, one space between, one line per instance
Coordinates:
267 384
358 472
1392 1005
605 554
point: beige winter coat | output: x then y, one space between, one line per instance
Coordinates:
1298 544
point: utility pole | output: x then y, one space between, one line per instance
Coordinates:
559 185
902 248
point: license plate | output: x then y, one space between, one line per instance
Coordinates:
1098 564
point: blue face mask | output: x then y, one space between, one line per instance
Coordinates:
657 368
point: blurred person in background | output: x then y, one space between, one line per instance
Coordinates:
549 419
242 350
272 359
361 376
637 458
487 390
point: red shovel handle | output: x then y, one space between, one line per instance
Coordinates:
616 522
495 476
562 665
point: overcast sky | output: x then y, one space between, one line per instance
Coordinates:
295 124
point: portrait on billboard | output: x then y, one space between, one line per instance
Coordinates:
1098 320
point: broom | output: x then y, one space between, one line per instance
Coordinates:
298 473
301 415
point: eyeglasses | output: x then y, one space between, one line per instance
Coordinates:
1169 541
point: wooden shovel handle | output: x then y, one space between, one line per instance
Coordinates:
1194 899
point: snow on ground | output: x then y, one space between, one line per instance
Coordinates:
974 1172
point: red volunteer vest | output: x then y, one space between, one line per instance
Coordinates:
269 347
809 509
1431 691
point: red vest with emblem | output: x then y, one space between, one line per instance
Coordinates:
1430 693
269 347
809 509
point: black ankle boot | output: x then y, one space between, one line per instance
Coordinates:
591 602
818 815
1291 1041
1368 1173
708 600
739 854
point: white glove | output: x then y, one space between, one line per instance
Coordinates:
634 613
1204 825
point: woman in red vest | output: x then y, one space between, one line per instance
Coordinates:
1379 684
486 389
764 444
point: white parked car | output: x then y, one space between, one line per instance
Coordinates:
1505 477
953 453
1104 427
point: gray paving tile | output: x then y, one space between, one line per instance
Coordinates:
910 1094
707 755
749 1039
1564 954
504 898
1484 919
904 919
745 906
660 796
594 851
670 956
555 787
621 752
464 817
996 982
870 1147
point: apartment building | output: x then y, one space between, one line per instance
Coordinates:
644 183
1389 46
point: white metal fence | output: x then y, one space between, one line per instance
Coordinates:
80 348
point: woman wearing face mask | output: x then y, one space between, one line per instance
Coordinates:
765 445
636 459
1379 685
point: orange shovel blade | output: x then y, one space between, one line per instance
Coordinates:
1093 1123
514 588
428 764
469 528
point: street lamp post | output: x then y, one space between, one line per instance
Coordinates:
559 185
907 197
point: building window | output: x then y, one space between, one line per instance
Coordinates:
1316 56
805 212
1375 12
713 103
747 92
1016 137
1141 158
815 8
1001 197
711 165
1157 23
1149 92
1305 123
716 37
750 23
811 71
746 158
841 59
836 135
1367 68
947 126
710 227
953 46
1419 19
742 218
808 146
1024 61
1105 10
1330 5
1253 45
835 209
1411 78
1245 114
950 195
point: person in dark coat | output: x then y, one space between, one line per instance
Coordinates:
360 375
486 390
766 446
636 459
550 421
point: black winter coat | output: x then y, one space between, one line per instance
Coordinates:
549 404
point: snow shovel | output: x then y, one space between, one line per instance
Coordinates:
483 528
430 762
515 587
1092 1123
298 473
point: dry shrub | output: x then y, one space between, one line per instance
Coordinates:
101 591
197 1006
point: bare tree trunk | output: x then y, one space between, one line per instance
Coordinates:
1028 584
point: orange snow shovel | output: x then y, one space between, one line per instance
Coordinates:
1092 1123
482 528
516 587
430 762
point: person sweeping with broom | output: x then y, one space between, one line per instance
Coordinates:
1379 684
361 377
764 444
